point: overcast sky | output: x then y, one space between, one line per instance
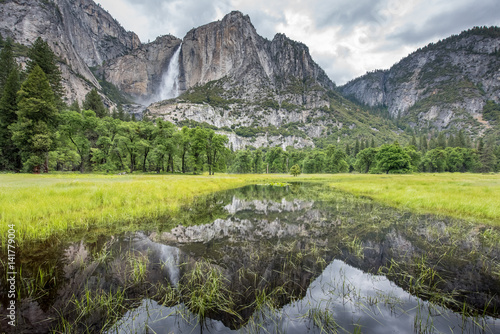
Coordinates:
346 38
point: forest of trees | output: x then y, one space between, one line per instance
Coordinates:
39 133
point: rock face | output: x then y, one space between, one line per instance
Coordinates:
139 73
231 48
444 84
79 32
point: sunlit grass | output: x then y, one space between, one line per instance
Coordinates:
42 206
474 197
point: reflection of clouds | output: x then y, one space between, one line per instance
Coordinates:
351 296
373 302
151 317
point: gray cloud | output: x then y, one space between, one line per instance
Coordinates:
345 13
451 20
346 38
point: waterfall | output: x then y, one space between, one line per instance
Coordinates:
169 87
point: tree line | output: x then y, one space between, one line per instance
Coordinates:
38 133
437 154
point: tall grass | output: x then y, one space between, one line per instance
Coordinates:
43 206
474 197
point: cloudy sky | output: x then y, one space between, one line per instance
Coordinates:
346 38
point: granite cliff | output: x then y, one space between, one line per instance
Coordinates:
442 85
80 32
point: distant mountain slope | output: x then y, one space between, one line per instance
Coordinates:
442 85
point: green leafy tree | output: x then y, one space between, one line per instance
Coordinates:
198 139
356 147
336 160
93 102
441 140
365 160
185 145
129 142
75 106
314 162
243 162
107 154
276 160
33 133
454 159
80 128
423 145
295 170
393 159
145 145
166 145
435 160
413 141
415 157
216 144
258 162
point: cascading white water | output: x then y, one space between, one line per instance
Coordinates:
169 87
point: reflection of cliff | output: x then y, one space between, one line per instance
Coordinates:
267 220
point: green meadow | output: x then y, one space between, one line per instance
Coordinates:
53 205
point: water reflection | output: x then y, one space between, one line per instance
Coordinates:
341 299
299 259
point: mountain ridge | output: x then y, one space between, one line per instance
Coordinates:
445 84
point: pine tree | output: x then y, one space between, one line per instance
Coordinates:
423 143
460 141
372 143
121 113
452 141
75 106
487 156
9 154
7 64
356 147
441 140
413 141
433 143
34 131
42 55
93 102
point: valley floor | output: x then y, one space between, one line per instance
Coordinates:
46 206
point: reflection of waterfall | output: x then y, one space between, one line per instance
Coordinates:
169 87
170 259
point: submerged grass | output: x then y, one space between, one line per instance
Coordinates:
43 206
